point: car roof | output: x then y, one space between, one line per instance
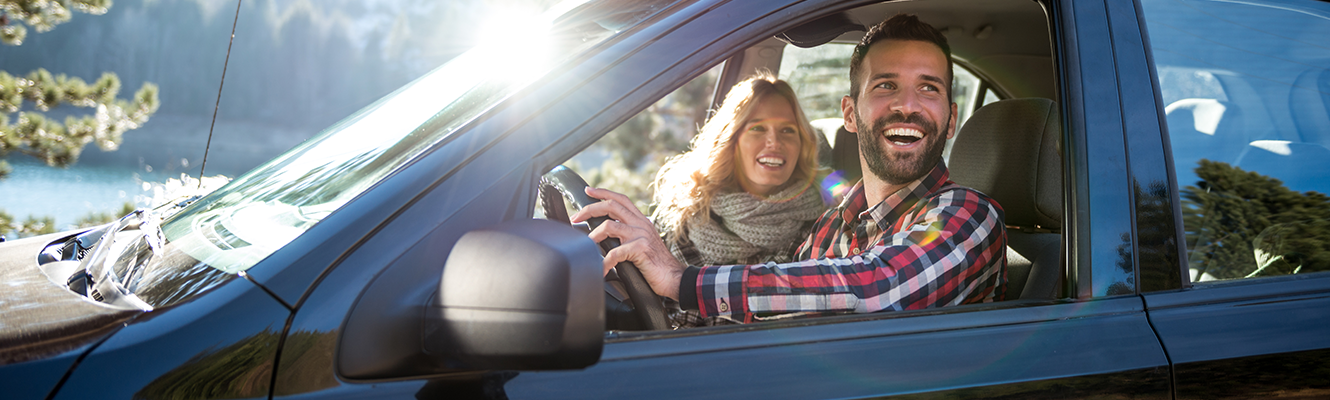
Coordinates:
1007 42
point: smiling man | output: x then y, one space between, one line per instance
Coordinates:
904 238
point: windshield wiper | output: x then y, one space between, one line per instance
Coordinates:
106 275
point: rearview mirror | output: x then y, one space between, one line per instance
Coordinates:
522 295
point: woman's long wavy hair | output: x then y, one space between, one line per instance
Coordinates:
687 182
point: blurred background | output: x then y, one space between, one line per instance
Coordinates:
295 68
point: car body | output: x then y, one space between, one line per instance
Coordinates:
349 305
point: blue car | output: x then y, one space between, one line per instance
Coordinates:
1163 165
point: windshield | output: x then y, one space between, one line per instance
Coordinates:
263 210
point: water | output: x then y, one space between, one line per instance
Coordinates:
34 189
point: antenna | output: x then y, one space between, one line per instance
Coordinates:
217 105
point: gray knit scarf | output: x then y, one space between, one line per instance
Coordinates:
746 229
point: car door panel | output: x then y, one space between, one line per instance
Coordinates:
177 350
1249 338
1091 348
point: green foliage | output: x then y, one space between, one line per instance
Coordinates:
663 129
42 15
821 81
616 175
99 218
32 226
1243 224
57 144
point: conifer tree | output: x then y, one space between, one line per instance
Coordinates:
1243 224
24 129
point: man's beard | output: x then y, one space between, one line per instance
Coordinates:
900 168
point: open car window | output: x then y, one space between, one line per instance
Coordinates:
628 157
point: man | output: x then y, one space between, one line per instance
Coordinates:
904 237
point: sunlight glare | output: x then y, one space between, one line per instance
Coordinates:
518 40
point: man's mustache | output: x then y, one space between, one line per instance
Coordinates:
928 127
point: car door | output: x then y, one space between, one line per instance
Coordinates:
1242 91
1093 340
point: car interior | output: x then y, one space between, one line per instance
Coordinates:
1007 143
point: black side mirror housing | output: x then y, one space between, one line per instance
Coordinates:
522 295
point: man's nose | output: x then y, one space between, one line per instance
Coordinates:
906 103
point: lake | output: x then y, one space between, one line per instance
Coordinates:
69 194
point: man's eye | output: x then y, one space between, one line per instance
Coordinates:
930 88
886 85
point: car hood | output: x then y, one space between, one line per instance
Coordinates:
38 318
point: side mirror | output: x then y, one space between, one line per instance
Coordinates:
521 295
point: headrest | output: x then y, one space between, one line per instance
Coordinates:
1310 103
1202 115
1300 166
845 155
1009 150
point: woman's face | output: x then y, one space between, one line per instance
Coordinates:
768 146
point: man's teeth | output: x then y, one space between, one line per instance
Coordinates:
770 161
903 136
905 132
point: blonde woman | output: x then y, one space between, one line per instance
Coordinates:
744 193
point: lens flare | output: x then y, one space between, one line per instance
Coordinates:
835 186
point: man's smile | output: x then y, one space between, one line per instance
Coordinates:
903 136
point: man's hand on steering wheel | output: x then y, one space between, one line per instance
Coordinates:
640 242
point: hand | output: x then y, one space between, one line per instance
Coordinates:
640 242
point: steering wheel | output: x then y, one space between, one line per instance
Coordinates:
647 305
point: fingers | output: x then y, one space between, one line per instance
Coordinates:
661 270
624 232
606 194
616 206
640 242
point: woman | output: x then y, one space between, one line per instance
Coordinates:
744 193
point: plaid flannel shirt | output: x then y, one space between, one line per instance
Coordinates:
933 243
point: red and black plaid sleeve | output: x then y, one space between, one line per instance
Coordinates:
932 244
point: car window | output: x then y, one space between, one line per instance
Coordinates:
628 157
819 76
1246 94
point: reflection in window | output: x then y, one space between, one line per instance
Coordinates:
1246 91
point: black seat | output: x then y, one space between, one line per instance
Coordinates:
1009 151
845 155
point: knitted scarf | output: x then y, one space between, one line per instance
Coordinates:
746 229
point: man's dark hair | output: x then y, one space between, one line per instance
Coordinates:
898 27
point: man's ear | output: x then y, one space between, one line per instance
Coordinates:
951 124
847 113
